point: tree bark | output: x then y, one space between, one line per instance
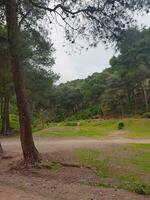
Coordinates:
1 150
30 152
1 107
5 117
122 110
135 102
145 97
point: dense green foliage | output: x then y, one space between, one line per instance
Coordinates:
38 60
119 91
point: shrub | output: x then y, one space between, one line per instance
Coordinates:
71 124
141 189
72 118
121 126
146 115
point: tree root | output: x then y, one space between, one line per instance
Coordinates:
66 165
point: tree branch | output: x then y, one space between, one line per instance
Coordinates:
87 9
24 17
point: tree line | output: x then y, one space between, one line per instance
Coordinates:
119 91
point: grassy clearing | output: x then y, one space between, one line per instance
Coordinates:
86 128
138 128
126 167
135 128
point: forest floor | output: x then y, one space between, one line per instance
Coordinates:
70 170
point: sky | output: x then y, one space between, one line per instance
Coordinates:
79 66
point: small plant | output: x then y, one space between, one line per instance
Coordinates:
54 167
141 189
121 126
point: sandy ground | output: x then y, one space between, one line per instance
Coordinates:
68 184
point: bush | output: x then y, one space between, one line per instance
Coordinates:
146 115
72 118
71 124
121 126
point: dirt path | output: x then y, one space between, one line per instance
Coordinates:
68 184
31 187
9 192
52 145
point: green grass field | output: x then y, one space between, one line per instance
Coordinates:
134 128
126 167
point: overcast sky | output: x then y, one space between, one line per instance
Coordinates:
78 66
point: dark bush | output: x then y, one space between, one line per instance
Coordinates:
146 115
121 126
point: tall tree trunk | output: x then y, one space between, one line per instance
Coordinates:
135 102
30 152
145 97
5 117
1 150
1 107
122 110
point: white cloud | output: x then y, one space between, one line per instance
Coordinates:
75 66
64 67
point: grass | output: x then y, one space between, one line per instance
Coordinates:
134 128
85 129
141 156
138 128
126 167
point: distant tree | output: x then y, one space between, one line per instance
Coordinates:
68 100
6 89
134 64
113 98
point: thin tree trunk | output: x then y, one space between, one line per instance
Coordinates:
145 98
135 102
1 150
1 107
5 117
30 152
122 110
